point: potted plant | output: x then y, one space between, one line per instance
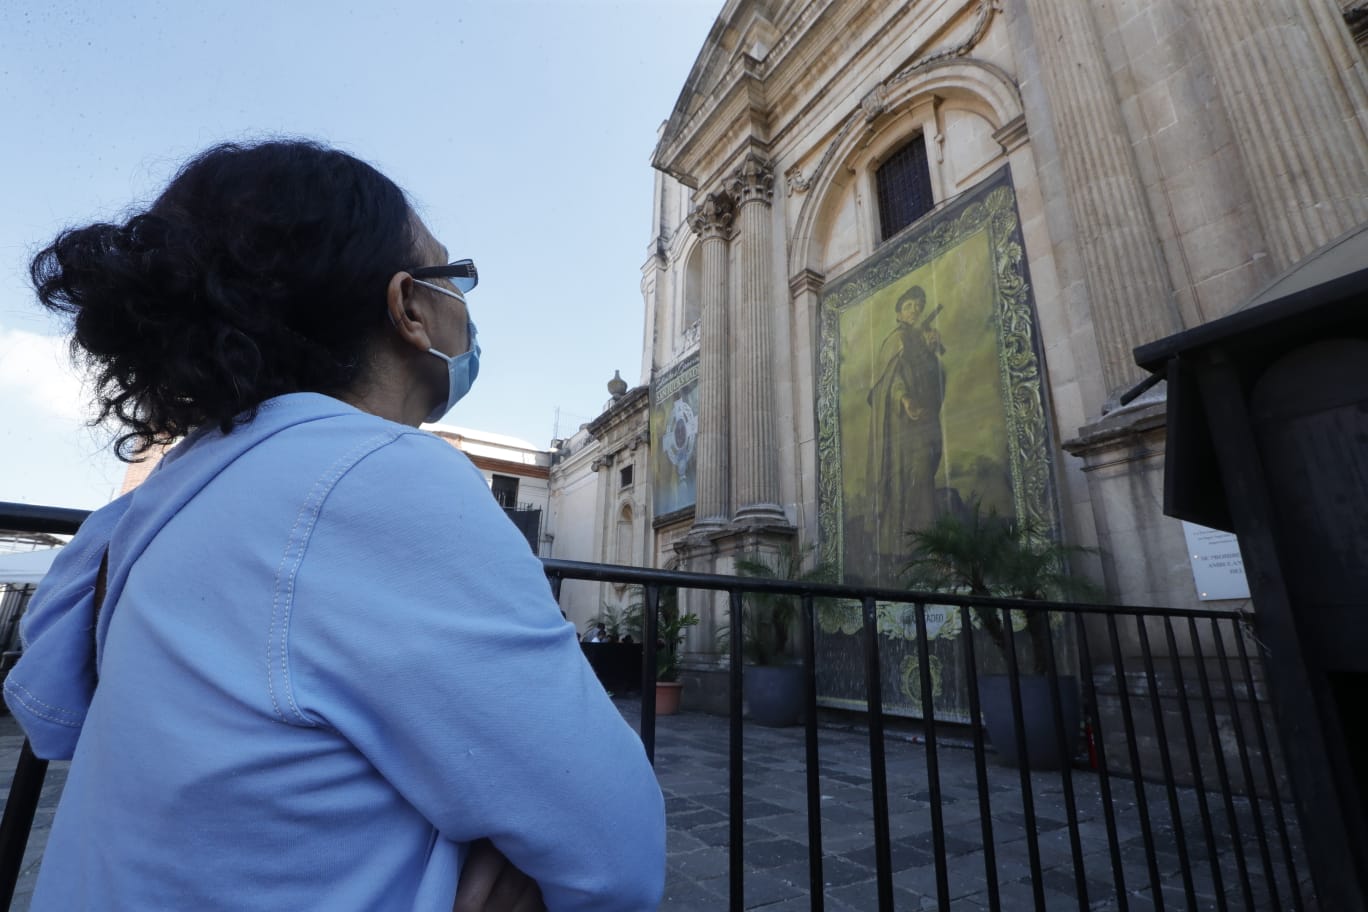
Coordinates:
773 676
617 622
615 654
980 552
671 624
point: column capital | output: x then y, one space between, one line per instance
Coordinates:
752 181
712 218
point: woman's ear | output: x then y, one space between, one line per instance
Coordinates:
403 314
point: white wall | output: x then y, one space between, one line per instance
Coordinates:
571 520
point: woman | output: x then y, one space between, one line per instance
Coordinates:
324 664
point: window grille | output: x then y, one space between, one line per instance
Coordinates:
904 188
505 488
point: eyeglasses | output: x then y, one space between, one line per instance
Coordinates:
461 273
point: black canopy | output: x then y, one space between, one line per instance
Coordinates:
1322 296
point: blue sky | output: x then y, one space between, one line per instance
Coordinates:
523 131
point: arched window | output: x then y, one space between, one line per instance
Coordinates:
904 188
693 288
623 551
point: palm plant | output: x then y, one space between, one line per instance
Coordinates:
984 553
671 624
767 630
618 622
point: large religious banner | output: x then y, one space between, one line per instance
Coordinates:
929 400
674 438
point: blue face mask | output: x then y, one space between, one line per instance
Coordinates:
462 369
461 373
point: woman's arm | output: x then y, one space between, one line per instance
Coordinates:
422 628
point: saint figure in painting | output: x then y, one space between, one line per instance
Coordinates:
906 441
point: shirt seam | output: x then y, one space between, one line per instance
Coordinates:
282 600
25 699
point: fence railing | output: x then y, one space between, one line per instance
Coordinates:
1183 746
1207 735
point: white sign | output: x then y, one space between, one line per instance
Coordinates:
1217 568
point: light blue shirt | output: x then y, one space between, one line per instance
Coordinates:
327 662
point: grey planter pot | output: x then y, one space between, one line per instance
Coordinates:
1037 712
774 693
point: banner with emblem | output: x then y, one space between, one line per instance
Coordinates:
674 438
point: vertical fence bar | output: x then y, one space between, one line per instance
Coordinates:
1195 762
1166 762
1222 774
1274 792
555 579
816 883
878 770
1103 775
24 792
649 652
1066 741
736 812
1023 761
980 761
1141 802
932 761
1251 788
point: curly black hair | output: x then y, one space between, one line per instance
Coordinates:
260 270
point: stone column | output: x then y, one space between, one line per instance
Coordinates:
1286 72
757 470
1128 288
711 220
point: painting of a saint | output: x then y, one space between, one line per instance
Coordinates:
922 417
905 437
929 398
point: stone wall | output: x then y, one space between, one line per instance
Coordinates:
1169 158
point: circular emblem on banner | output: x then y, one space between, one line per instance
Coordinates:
681 435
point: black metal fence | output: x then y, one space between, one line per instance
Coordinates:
1208 799
1186 773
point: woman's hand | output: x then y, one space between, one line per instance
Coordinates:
490 883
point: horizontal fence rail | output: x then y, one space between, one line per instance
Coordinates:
1171 789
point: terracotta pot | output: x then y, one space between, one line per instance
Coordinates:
667 697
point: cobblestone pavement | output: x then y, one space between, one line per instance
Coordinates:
691 761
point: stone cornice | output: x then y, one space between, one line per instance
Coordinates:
677 518
726 104
741 36
1013 135
736 116
808 280
925 56
1124 428
631 407
640 439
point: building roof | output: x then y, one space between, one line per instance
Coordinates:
504 440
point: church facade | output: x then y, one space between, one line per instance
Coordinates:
901 255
